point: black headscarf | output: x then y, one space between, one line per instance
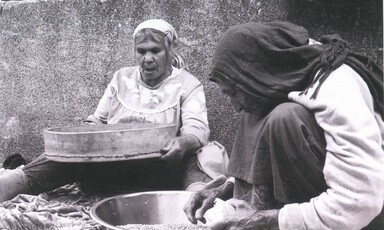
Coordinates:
269 60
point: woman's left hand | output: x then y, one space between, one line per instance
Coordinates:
174 151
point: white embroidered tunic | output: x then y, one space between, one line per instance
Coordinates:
179 99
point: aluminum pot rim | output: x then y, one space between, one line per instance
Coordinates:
105 200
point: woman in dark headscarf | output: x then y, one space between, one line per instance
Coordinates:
309 150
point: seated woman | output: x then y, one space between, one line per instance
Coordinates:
309 150
157 90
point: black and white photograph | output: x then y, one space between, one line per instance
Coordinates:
191 115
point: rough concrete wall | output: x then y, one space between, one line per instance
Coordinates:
56 57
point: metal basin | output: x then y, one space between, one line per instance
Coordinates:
100 143
146 208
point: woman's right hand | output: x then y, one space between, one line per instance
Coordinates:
201 201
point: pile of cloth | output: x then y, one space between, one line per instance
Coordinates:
64 208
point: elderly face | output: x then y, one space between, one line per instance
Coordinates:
153 60
241 101
231 93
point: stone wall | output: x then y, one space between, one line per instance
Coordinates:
57 56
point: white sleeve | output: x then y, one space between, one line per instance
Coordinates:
103 107
194 115
354 162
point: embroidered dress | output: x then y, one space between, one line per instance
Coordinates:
179 100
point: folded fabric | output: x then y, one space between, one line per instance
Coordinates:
63 208
213 159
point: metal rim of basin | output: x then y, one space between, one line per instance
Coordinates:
93 210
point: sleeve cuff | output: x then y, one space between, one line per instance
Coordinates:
290 218
203 138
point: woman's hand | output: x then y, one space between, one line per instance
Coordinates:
201 201
174 151
263 220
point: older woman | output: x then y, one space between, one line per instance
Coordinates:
157 90
309 150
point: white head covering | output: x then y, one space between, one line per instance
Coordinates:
160 25
166 28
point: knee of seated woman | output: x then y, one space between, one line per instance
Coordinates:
287 112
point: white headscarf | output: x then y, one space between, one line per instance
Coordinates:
166 28
160 25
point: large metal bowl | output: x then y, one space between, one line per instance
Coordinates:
146 208
100 143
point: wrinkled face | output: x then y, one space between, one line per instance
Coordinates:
239 100
153 60
231 93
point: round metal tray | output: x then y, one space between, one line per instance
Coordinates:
101 143
145 208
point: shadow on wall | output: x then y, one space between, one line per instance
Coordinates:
360 22
341 14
